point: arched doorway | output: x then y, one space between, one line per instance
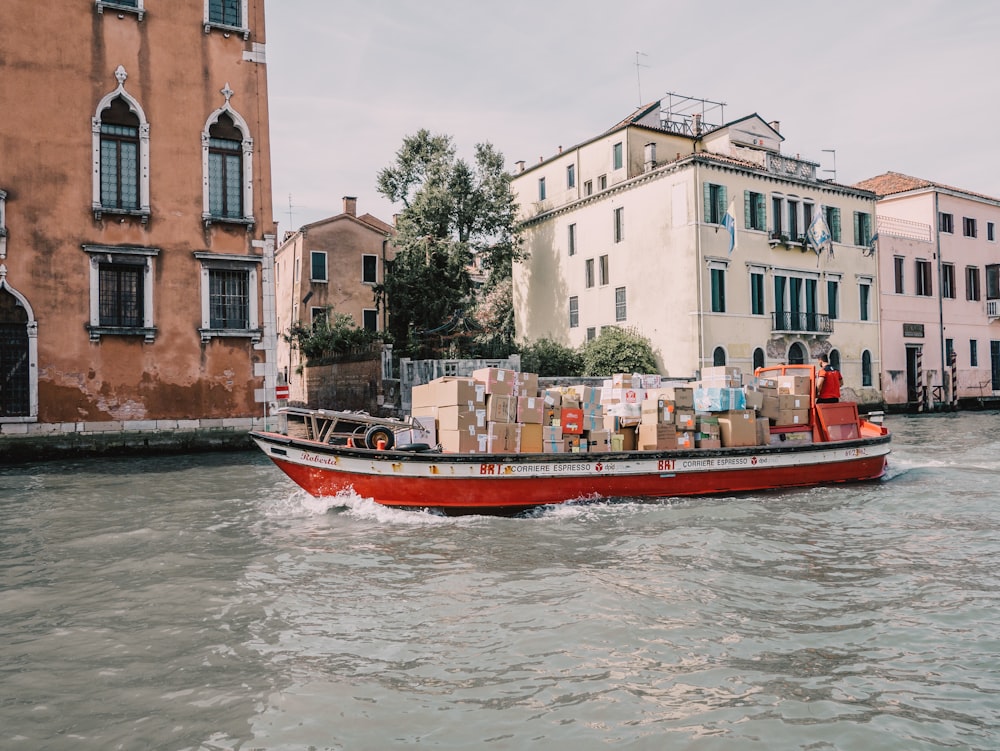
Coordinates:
758 358
797 354
719 357
15 382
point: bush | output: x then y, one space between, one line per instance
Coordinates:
618 350
548 358
336 335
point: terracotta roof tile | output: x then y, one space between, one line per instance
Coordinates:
891 183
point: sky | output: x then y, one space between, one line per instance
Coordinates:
911 87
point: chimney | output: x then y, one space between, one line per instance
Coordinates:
650 156
776 125
696 123
351 205
520 165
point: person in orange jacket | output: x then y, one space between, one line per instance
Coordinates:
828 382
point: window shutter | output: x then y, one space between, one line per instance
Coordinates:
720 210
708 202
857 228
762 213
746 209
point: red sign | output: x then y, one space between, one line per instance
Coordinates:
281 392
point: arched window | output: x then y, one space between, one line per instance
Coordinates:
18 356
758 358
866 368
796 354
835 359
227 167
120 134
719 356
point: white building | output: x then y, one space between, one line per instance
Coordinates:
628 229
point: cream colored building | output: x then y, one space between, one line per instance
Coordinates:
940 290
327 267
628 229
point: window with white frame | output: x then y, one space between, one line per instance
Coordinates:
922 278
571 239
228 15
120 146
574 312
603 273
864 298
619 224
991 231
833 222
369 269
833 297
794 230
617 156
121 291
862 228
227 167
754 210
969 226
369 319
132 6
972 290
621 308
589 273
571 176
317 264
757 301
318 315
948 280
946 222
229 303
715 203
541 189
898 263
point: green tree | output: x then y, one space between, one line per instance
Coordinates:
455 214
549 358
618 350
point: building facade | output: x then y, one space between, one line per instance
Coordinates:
328 267
632 228
940 291
135 205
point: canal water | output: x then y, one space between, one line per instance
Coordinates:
205 603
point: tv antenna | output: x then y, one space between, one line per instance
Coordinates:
638 80
290 226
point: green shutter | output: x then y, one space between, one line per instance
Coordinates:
746 209
708 202
762 212
723 205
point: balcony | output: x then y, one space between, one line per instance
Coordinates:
993 309
801 323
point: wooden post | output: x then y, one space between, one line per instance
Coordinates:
953 362
921 387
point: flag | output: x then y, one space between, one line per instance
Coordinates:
872 245
729 222
818 233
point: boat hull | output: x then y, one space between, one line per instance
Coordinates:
508 483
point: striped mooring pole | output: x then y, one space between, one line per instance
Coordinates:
953 362
921 388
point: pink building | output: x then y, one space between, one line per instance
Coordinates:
939 272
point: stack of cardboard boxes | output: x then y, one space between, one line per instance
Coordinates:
502 411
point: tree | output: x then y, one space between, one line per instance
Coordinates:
618 350
549 358
329 336
454 214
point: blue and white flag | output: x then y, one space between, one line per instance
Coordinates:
729 222
818 233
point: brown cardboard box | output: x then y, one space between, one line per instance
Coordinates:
423 395
599 440
460 418
657 410
552 398
708 443
755 399
526 384
554 447
793 384
496 437
738 427
682 396
462 441
770 407
656 437
763 431
496 380
500 408
685 440
449 391
531 438
513 437
794 401
624 437
530 409
792 417
684 419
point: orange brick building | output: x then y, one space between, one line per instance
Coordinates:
136 229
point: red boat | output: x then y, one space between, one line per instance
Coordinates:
329 452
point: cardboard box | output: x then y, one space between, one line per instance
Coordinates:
530 409
599 440
792 417
463 441
500 408
798 384
685 440
657 410
572 421
770 407
460 418
531 438
738 428
449 391
526 384
513 437
754 399
552 398
794 401
554 447
721 371
624 439
708 443
684 419
763 431
422 395
496 380
682 396
552 433
707 426
719 399
587 394
657 437
496 437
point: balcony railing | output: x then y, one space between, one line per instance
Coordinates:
801 323
993 308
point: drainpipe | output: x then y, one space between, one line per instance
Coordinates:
940 295
385 319
700 311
